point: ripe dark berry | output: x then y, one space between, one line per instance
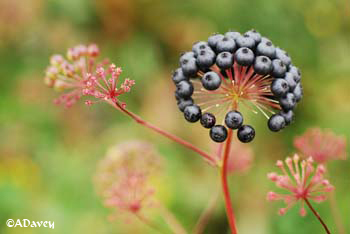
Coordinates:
226 44
278 68
245 41
279 87
262 65
288 116
189 67
185 56
296 72
265 39
213 40
218 133
244 56
234 119
298 92
206 58
198 46
192 113
289 77
255 35
232 34
246 133
184 89
283 56
211 80
224 60
208 120
184 102
266 48
178 76
276 122
288 102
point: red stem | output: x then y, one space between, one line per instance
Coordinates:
225 187
317 216
170 136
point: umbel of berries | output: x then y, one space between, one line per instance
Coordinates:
230 72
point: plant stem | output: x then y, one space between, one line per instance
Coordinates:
225 187
317 215
208 158
171 220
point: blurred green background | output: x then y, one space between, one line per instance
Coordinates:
48 154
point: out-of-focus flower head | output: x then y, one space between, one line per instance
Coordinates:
302 180
322 146
240 158
123 177
80 74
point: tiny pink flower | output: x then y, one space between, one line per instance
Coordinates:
81 75
322 146
302 181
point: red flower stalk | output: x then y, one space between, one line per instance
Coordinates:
322 146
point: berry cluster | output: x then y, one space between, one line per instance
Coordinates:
234 70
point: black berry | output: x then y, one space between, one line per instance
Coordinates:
283 56
186 56
211 80
266 48
244 56
288 116
184 102
206 58
254 34
189 67
208 120
224 60
226 44
298 92
288 102
234 119
296 72
184 89
198 46
213 40
192 113
289 77
246 133
232 34
278 68
245 41
262 65
276 122
178 76
279 87
218 133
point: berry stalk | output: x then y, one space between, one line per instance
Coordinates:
170 136
317 216
225 187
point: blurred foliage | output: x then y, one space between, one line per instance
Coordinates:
48 155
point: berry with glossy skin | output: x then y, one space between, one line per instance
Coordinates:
198 46
276 122
178 76
244 56
208 120
226 44
283 56
246 133
255 35
298 92
278 68
189 67
245 41
185 56
184 89
265 47
224 60
279 87
206 58
288 102
289 77
262 65
288 116
232 34
192 113
296 72
183 103
211 80
234 119
213 40
218 133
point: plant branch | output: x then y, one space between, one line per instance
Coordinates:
317 215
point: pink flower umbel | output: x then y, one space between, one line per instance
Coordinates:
123 176
302 180
80 74
322 146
